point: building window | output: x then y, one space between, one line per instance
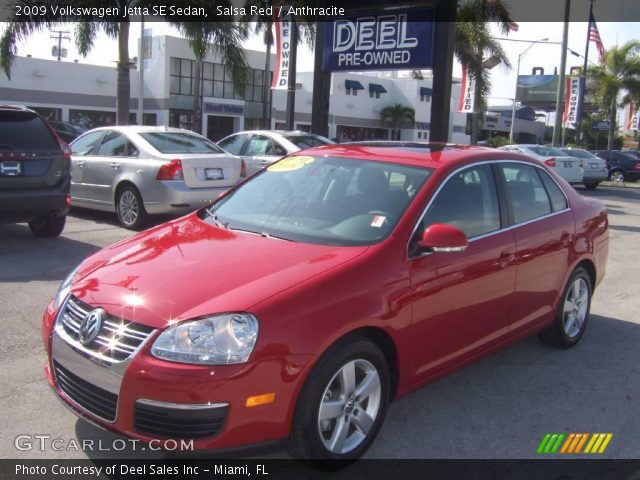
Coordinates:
375 89
425 94
180 76
352 87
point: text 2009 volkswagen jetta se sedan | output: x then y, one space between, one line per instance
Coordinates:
308 297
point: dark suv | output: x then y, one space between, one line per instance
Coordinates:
623 166
34 172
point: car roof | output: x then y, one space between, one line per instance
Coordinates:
143 129
17 108
276 132
420 154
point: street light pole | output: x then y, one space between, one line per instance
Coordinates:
515 94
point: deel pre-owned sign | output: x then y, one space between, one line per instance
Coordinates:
401 40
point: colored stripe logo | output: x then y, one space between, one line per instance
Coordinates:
574 443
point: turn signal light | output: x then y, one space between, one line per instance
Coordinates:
171 171
66 151
260 400
550 162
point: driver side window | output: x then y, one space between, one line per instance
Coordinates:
468 201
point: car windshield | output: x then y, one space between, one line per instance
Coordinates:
547 151
323 200
307 141
180 142
579 154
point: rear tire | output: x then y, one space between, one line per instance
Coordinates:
342 404
617 176
591 185
573 312
48 227
130 208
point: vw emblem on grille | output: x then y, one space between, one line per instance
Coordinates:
90 326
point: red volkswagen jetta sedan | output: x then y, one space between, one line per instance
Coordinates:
299 304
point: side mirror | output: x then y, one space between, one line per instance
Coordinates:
441 237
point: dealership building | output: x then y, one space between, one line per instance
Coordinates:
85 94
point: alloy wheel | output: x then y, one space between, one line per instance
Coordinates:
576 304
350 406
128 207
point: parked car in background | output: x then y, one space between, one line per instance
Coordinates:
260 148
34 172
67 131
135 171
568 167
303 301
623 166
595 168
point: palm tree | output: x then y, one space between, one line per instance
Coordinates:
474 42
396 114
618 74
85 35
223 37
263 25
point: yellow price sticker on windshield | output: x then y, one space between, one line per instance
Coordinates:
290 163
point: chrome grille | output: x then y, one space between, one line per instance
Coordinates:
117 339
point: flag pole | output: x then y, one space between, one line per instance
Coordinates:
584 74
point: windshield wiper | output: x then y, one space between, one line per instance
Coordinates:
262 234
215 219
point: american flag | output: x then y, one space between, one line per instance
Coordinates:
594 36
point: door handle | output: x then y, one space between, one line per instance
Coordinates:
80 163
506 257
115 164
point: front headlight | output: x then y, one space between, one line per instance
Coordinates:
217 340
64 289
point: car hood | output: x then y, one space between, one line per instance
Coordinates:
187 268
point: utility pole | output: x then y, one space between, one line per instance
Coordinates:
141 74
584 74
563 66
60 35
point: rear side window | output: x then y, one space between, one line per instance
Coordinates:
85 144
24 131
114 144
558 200
180 142
527 194
306 141
468 201
234 144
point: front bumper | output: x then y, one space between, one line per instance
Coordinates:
174 197
145 390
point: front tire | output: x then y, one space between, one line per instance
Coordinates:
130 208
343 403
48 227
573 312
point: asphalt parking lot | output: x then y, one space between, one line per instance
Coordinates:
500 407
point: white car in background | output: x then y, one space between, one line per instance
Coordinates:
568 167
595 168
135 171
260 148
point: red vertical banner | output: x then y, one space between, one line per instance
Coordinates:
467 92
283 53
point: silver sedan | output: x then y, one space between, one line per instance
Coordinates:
135 171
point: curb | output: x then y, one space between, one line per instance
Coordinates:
621 184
